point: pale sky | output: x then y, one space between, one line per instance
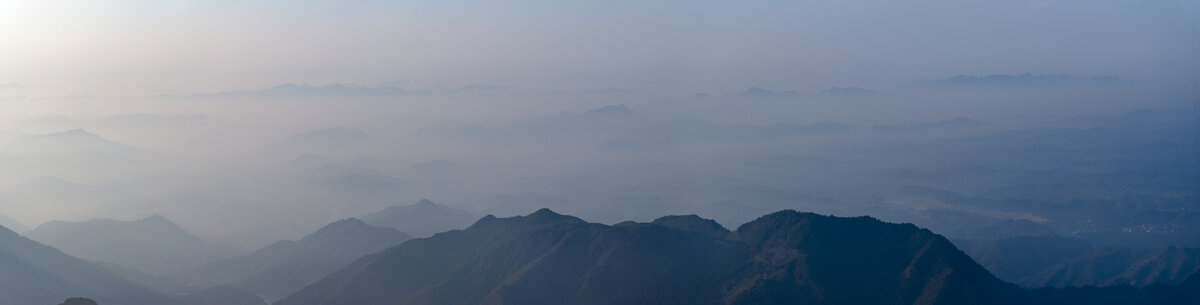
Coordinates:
137 48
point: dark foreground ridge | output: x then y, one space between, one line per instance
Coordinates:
785 257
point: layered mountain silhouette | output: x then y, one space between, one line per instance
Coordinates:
12 224
72 142
286 266
33 273
1014 258
1015 249
422 219
153 244
1117 267
785 257
847 92
1025 80
782 258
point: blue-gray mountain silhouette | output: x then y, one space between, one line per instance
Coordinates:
421 219
286 266
1117 267
785 257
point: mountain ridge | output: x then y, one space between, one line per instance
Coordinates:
570 261
286 266
421 219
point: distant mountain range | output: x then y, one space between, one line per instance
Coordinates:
1014 258
1114 267
785 257
74 143
153 244
422 219
292 90
286 266
1015 249
33 273
1032 255
1025 80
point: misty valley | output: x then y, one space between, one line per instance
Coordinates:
528 152
1087 210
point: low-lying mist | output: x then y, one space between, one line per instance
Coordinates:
246 168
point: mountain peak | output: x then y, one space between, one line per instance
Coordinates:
546 215
420 219
74 141
74 134
542 212
79 301
286 266
155 219
349 227
342 227
541 218
77 132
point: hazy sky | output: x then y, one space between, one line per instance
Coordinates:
137 48
181 119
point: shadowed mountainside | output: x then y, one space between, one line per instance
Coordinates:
1115 267
33 273
1016 249
782 258
286 266
785 257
